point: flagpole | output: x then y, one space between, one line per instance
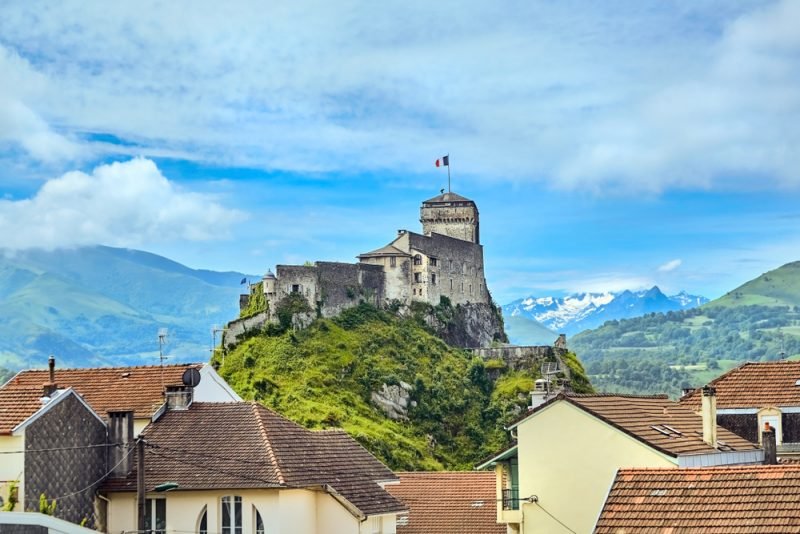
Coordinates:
448 173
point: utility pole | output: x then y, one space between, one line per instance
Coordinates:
140 486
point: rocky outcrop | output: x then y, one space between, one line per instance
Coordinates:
394 400
467 325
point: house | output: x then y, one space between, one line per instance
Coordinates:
52 443
750 499
447 503
569 448
756 393
61 429
140 389
241 468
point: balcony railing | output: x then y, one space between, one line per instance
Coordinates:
511 499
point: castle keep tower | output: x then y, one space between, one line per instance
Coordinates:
452 215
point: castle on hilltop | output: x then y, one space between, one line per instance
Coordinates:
446 260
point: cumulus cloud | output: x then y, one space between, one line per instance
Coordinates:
670 266
585 96
123 204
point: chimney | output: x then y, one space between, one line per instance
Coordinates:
709 414
769 444
50 387
120 437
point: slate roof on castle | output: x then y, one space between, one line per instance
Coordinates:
713 500
654 420
239 445
754 385
448 502
105 389
447 197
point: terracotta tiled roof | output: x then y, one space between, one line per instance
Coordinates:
655 420
107 388
743 499
448 503
754 385
16 405
245 445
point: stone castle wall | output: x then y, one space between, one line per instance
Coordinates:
458 220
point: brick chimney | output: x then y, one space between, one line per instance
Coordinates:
709 413
769 443
50 387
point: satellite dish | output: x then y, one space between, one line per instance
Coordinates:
191 377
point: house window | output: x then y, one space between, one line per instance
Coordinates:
259 522
417 259
202 524
418 277
232 514
433 279
392 262
295 288
377 525
432 262
155 520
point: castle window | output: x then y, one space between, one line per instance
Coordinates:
463 268
451 284
295 288
481 289
432 262
450 267
470 289
417 260
418 277
433 279
462 287
392 261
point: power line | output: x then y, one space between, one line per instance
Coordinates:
55 449
535 501
102 478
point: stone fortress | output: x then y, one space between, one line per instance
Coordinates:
446 260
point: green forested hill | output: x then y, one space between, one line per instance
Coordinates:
104 306
324 376
759 320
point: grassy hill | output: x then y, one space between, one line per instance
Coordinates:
780 287
324 376
759 320
102 305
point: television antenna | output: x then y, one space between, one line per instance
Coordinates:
162 340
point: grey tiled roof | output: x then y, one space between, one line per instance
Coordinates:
245 445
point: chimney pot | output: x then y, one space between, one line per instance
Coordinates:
709 415
50 387
769 443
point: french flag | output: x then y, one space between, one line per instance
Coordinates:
443 161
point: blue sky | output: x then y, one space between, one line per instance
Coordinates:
608 146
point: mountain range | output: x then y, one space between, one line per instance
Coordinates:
535 320
102 305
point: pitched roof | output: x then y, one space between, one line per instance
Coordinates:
754 385
712 500
17 405
388 250
448 503
654 420
104 388
245 445
446 197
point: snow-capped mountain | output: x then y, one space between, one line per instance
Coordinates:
581 311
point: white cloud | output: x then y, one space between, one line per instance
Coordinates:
124 204
587 96
19 124
670 266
